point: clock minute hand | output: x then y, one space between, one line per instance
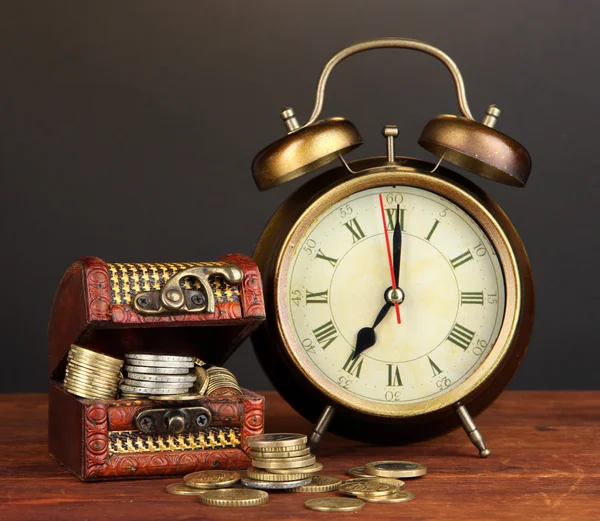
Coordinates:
366 336
397 245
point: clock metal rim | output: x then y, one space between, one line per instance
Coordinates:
517 325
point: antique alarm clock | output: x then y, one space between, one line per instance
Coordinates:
398 293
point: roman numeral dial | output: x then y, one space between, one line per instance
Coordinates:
334 283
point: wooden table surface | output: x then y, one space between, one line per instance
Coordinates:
545 464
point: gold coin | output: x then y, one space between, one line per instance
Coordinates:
234 497
320 484
358 472
201 380
282 454
180 489
92 366
367 486
401 496
284 463
70 382
84 393
392 481
279 449
198 362
110 378
211 479
91 384
396 469
82 353
91 380
264 475
270 441
335 504
85 351
311 469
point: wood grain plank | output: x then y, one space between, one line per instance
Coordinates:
545 465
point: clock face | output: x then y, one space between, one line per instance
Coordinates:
339 273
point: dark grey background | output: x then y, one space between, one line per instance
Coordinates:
127 130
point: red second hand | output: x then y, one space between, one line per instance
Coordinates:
389 252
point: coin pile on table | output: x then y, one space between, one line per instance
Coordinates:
157 375
280 462
92 375
296 470
214 488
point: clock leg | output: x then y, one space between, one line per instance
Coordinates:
321 426
472 430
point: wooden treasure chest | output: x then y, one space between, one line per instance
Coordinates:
203 310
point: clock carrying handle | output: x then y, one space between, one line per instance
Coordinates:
390 43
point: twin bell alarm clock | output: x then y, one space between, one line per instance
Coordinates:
399 296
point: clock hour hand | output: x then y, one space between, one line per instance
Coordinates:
366 337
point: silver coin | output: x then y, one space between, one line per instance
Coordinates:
148 390
176 397
182 386
154 363
188 378
158 358
274 485
156 370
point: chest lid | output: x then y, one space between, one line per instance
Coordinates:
204 309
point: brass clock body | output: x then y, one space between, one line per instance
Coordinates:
285 359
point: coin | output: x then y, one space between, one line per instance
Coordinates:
201 380
284 463
181 489
96 372
154 363
92 386
392 481
264 475
188 378
274 485
367 486
278 449
93 365
401 496
396 469
269 441
281 454
148 390
311 469
335 504
159 358
358 472
211 479
320 484
155 370
90 382
234 497
181 386
77 375
86 393
82 351
174 397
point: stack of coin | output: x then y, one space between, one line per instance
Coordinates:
280 462
221 379
92 375
157 375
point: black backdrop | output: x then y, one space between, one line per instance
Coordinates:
111 112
